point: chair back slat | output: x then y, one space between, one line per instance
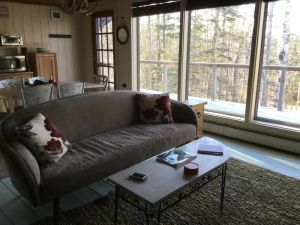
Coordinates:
102 80
36 95
8 83
70 89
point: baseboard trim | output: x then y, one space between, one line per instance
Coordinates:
260 138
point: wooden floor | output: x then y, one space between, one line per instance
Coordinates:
15 210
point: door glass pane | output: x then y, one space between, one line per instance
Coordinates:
98 26
105 59
111 58
110 41
220 46
279 95
100 70
103 25
104 41
109 24
98 41
111 74
159 52
105 71
99 57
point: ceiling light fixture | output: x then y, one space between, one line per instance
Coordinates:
77 7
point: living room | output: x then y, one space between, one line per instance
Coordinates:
266 135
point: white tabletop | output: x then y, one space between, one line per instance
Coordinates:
163 180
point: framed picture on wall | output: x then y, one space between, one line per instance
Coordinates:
55 14
3 12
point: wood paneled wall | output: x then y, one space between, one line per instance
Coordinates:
34 24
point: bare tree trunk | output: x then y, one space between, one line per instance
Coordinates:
158 48
279 93
164 66
214 45
149 80
264 73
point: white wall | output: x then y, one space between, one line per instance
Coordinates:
75 56
34 24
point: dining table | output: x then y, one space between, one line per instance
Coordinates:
11 96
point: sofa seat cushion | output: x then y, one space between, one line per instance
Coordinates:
98 156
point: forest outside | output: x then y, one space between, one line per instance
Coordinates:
219 57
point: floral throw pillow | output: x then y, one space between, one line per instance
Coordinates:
155 108
47 144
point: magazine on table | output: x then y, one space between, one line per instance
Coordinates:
210 149
175 157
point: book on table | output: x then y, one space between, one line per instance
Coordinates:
210 149
175 157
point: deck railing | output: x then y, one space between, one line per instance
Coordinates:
214 66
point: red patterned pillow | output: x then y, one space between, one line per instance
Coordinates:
47 144
155 108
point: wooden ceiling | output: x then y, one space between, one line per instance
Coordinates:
39 2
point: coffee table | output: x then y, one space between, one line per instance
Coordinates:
166 186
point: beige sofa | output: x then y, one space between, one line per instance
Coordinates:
106 137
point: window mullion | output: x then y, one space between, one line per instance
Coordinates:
255 60
183 50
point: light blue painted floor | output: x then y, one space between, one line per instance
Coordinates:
15 210
275 160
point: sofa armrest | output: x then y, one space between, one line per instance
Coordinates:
183 113
22 166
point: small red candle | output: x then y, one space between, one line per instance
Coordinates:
191 168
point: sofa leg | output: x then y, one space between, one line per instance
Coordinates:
55 211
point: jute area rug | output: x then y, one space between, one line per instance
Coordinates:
253 196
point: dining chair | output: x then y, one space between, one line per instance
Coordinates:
34 80
12 84
8 83
36 95
70 89
102 80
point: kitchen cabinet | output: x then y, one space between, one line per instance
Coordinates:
43 64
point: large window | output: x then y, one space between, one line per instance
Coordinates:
279 95
103 44
219 53
241 56
158 49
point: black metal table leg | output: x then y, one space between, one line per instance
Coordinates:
147 214
55 211
159 214
116 205
224 168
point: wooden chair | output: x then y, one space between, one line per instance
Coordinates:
36 95
102 80
70 89
12 84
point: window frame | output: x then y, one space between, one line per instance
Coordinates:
137 59
249 122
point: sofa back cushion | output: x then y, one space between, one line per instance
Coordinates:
82 116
